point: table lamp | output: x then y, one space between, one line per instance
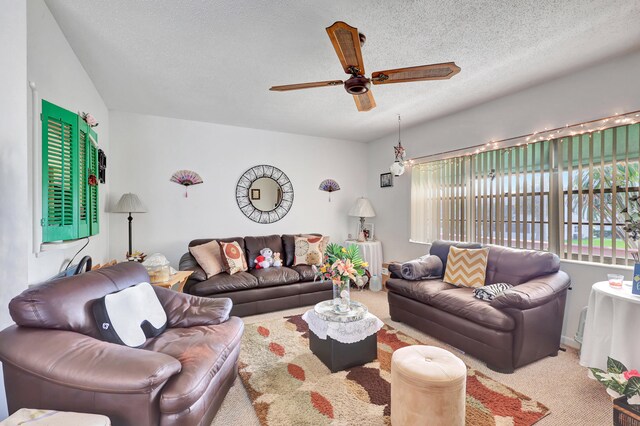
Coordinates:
129 203
362 208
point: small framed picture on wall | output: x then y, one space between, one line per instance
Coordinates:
255 194
386 180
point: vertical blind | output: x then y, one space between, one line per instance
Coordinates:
564 195
598 173
439 200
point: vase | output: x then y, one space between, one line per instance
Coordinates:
341 297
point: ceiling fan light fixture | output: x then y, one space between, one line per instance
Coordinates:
357 85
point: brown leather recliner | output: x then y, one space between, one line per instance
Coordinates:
519 326
54 358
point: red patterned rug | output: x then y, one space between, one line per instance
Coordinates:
288 385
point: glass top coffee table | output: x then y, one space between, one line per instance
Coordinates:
356 327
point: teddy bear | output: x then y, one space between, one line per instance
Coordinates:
277 262
265 260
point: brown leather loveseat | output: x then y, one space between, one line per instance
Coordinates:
259 290
54 358
519 326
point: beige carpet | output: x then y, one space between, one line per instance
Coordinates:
560 383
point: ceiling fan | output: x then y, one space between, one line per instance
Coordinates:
347 41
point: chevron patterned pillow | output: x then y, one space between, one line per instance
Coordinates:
466 267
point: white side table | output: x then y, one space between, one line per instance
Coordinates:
371 252
610 328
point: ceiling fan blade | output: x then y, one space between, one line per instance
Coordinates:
365 102
299 86
346 42
419 73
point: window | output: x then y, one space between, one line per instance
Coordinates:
565 195
69 157
439 200
598 173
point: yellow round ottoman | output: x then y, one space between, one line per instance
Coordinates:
428 387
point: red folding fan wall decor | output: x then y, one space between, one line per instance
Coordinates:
186 178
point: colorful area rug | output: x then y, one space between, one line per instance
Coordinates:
288 385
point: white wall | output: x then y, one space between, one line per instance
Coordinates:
146 150
592 93
61 79
13 160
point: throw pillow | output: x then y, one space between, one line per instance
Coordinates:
233 257
323 243
130 316
488 292
208 257
466 267
308 250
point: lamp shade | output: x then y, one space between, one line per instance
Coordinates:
129 203
362 208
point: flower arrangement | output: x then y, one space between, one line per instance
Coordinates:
89 119
619 381
341 265
136 256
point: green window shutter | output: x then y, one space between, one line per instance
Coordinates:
94 199
83 178
59 169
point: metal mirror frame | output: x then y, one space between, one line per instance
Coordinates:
244 201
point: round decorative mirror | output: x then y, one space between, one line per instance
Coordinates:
264 194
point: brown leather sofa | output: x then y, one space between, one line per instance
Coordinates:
519 326
54 358
259 290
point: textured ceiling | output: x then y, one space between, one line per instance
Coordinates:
215 60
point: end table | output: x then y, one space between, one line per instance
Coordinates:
371 252
179 278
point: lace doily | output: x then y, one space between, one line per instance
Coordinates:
343 332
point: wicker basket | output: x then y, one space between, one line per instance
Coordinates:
625 414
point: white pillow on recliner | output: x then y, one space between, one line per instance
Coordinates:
130 316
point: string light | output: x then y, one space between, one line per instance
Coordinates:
568 130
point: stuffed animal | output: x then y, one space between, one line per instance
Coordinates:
259 260
277 262
265 260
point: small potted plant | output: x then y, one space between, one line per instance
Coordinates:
619 381
341 265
